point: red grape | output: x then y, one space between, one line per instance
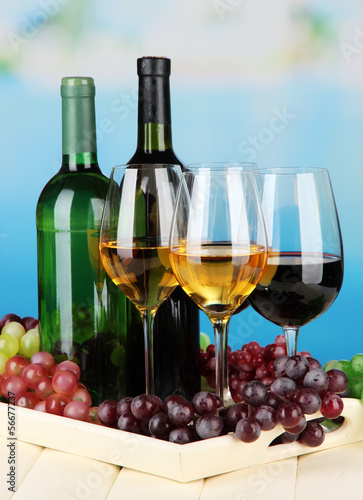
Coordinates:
160 425
83 395
43 358
7 318
124 405
313 434
266 417
56 403
289 414
26 400
181 413
234 414
181 435
12 386
338 381
282 386
208 426
64 382
144 406
32 373
77 410
173 397
69 365
273 400
40 406
43 387
331 405
297 429
107 412
15 365
204 402
29 322
308 400
317 379
254 393
314 363
128 422
296 367
248 430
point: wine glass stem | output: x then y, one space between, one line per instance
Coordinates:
148 325
221 346
291 334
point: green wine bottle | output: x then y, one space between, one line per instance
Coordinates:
176 327
82 314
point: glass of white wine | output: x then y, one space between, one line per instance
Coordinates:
134 241
218 247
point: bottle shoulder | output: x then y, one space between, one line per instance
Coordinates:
81 182
72 196
167 157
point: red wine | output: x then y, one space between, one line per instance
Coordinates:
297 287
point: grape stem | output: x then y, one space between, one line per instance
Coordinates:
147 317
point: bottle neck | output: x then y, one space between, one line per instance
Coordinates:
79 147
154 137
154 116
80 162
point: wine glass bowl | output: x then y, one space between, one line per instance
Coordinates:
134 241
304 271
218 247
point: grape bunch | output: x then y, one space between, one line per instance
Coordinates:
251 362
175 419
353 369
299 387
42 384
17 336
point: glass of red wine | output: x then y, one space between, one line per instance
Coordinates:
304 271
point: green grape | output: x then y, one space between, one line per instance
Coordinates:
356 388
33 331
3 360
344 366
330 365
9 345
204 341
13 328
356 364
29 345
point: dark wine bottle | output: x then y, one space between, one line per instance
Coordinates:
176 327
82 313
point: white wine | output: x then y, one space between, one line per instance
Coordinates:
142 272
218 277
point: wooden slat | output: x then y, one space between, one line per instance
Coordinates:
333 474
25 456
134 485
64 476
275 481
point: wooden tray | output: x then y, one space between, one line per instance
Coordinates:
182 463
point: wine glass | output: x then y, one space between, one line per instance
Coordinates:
249 167
304 271
218 247
134 241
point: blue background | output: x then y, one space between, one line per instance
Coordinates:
237 66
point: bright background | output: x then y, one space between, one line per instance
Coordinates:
236 66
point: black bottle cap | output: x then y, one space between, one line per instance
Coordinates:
153 66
